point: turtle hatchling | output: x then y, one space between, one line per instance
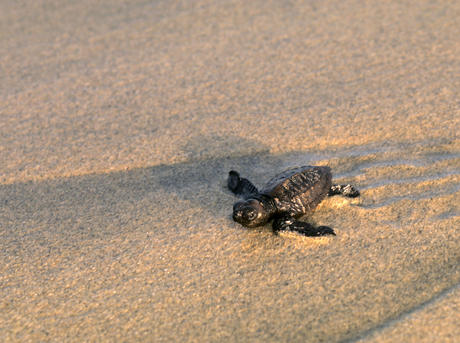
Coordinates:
286 197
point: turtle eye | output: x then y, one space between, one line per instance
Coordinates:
252 215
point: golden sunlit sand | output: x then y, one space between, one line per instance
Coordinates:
120 121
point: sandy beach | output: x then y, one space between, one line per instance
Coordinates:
121 119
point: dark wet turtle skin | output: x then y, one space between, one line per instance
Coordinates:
287 196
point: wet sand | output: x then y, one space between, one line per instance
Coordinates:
121 120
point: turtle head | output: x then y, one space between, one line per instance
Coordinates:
250 213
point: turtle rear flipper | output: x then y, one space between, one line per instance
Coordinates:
240 186
291 224
345 190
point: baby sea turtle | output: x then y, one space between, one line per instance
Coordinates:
287 196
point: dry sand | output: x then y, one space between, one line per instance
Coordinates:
119 123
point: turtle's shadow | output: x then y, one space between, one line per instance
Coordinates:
107 203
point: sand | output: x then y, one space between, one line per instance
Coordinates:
121 119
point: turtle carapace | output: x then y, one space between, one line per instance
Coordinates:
286 197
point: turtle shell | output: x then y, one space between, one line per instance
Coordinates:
299 190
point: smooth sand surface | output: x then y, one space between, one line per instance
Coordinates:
121 119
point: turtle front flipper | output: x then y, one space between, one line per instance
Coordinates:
289 223
240 186
345 190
